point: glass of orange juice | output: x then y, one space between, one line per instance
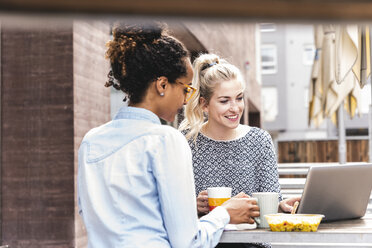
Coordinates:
217 196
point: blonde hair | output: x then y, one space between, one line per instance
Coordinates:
209 71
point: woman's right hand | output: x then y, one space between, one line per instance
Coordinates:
242 209
202 203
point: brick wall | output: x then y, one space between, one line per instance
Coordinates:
37 136
91 97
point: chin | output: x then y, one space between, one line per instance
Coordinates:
231 124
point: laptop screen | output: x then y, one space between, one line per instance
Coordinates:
337 191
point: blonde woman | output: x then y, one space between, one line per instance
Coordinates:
226 153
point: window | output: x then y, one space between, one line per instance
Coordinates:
269 103
267 27
268 59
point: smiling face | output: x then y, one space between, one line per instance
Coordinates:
226 105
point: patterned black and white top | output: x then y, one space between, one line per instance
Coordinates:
247 164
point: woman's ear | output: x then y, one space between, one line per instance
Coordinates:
161 85
203 104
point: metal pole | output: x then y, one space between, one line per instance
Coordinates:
341 135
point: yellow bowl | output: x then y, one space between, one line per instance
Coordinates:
294 222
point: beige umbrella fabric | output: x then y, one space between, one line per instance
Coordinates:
344 66
316 85
353 63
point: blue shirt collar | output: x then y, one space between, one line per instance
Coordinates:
137 114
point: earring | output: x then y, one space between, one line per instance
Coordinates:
162 94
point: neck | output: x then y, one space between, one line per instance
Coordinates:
219 133
143 105
149 102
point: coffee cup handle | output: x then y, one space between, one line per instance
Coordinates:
257 220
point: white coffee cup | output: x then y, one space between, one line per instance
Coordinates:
268 203
217 196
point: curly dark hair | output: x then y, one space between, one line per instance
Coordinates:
141 53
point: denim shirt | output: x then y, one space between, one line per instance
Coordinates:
136 186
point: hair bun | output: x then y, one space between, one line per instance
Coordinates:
209 64
139 33
127 37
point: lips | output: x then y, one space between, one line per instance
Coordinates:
232 117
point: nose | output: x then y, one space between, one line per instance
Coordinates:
233 106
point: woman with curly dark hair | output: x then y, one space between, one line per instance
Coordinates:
135 178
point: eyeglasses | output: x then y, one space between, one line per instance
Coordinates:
189 91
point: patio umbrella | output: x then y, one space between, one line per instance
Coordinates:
341 67
352 63
316 85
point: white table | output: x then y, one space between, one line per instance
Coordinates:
347 231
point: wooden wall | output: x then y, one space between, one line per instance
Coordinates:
321 151
263 10
51 93
37 181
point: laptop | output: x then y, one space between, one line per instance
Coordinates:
338 192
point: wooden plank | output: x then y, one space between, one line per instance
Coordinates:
50 98
297 171
292 183
318 245
291 191
345 10
37 137
321 151
303 165
287 196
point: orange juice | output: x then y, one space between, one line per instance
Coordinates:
217 196
214 202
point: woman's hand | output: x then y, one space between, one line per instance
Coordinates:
202 203
242 195
242 209
287 204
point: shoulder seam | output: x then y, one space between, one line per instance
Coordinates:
90 160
